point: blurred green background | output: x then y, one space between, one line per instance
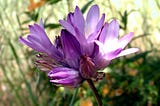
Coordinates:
130 81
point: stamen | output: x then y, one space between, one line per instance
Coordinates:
45 63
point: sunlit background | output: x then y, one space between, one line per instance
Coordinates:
130 81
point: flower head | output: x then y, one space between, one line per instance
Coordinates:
55 59
85 30
98 40
110 47
83 47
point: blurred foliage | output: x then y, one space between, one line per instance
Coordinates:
129 81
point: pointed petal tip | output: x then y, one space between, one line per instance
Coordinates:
114 21
21 40
60 21
29 26
131 34
95 6
137 49
77 9
41 23
106 24
128 51
134 50
103 15
41 20
63 32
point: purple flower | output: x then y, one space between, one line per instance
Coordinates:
99 42
38 40
110 47
57 60
85 30
83 47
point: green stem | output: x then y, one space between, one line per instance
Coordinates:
99 101
73 97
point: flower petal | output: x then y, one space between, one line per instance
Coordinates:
62 72
87 48
100 23
128 51
92 20
101 62
39 41
125 40
36 43
71 48
113 54
65 77
112 31
67 26
32 29
41 23
95 50
70 18
79 20
42 34
103 34
30 44
97 30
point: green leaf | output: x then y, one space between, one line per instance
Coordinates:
53 1
33 15
157 3
52 26
14 51
124 19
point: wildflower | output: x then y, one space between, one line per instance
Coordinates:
57 60
110 47
98 41
83 47
87 30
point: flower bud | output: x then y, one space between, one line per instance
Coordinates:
65 77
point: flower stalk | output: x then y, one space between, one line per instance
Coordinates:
91 84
